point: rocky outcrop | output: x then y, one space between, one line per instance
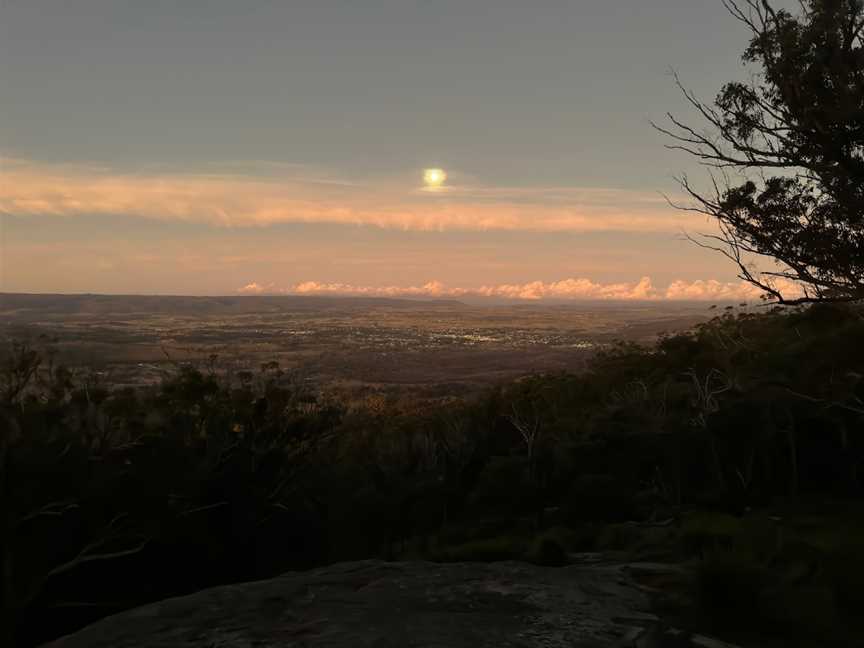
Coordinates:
400 605
373 603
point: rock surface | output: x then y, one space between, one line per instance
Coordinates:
400 605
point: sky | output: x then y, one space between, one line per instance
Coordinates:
224 147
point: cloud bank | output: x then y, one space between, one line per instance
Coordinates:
290 195
567 289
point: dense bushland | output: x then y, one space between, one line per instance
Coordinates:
736 446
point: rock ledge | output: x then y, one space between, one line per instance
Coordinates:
380 604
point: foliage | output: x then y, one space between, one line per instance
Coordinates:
794 134
686 450
548 550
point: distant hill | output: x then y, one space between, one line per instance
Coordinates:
26 305
22 304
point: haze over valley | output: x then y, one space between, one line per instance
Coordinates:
355 345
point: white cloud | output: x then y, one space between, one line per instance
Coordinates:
567 289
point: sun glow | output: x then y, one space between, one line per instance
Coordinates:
434 177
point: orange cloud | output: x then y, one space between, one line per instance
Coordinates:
719 291
32 189
255 288
567 289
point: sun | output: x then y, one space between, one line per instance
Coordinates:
434 177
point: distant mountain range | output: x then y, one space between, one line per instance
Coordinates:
45 304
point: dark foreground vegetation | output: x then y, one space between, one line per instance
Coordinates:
735 448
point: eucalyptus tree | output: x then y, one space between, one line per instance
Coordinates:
785 151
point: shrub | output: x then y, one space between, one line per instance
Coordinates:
805 610
730 584
548 550
708 532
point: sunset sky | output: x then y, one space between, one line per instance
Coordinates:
225 147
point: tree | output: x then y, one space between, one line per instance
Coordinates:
27 384
786 152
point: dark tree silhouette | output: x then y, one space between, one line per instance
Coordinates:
786 152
